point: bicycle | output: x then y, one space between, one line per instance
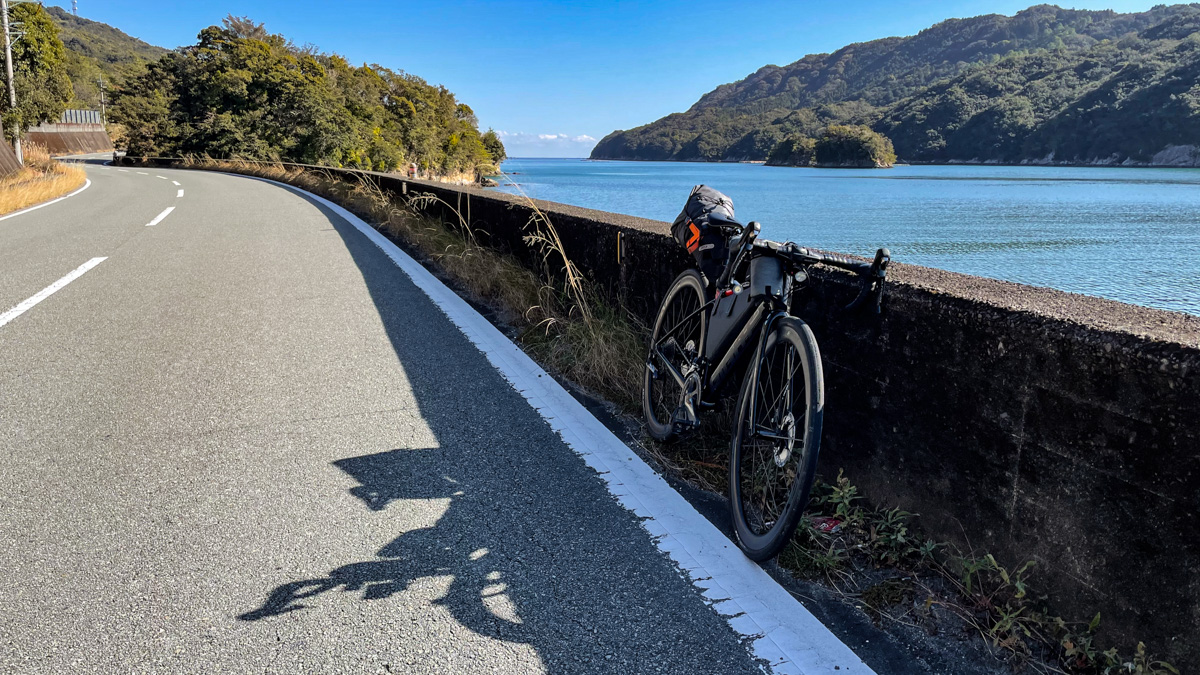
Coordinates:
699 342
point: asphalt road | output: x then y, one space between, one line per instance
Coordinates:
245 442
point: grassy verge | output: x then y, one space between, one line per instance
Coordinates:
42 179
873 557
877 559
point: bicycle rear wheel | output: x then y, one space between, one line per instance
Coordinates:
773 463
678 332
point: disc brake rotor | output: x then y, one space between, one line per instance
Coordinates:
783 452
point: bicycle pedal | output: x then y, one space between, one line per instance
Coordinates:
681 427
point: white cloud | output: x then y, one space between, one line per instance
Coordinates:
524 144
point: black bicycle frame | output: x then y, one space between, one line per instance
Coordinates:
760 317
754 319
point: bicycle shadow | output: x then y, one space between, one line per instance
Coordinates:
530 548
478 595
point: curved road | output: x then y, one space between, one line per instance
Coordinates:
244 441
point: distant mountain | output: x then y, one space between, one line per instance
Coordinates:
1134 100
96 49
989 88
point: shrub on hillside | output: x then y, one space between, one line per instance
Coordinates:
838 146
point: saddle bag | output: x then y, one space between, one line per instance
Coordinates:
707 242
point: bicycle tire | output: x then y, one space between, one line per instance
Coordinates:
762 470
684 297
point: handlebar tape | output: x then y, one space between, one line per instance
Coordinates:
845 262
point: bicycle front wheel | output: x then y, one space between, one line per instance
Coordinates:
776 439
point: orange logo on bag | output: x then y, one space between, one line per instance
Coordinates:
693 241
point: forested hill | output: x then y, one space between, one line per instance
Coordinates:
246 93
96 50
242 92
989 88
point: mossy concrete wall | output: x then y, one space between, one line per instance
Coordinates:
1021 421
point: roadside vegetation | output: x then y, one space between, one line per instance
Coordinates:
42 179
875 558
39 71
241 92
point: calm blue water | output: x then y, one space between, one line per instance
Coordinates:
1127 234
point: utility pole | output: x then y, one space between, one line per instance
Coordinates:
103 118
12 85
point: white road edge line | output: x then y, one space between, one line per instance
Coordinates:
780 630
48 291
179 194
86 184
159 218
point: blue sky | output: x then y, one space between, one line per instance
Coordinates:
554 77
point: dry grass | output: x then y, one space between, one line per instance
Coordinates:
41 180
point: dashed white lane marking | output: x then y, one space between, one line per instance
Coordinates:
49 290
179 194
175 182
123 170
159 218
162 177
779 629
142 173
86 184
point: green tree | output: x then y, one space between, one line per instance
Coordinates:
243 92
853 146
794 151
39 71
494 146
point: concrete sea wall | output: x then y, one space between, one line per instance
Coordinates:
1021 421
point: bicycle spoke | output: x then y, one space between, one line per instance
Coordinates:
681 321
790 378
766 486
